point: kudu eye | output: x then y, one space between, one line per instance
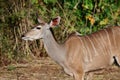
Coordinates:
38 28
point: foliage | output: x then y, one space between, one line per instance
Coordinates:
18 16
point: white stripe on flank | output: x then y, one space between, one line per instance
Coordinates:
84 53
102 43
89 51
108 40
96 53
114 38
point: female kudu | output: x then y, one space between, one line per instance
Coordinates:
79 54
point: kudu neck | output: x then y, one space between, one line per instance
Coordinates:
55 50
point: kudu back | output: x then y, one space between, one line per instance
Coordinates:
79 54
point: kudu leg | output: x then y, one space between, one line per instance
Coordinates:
117 59
78 73
68 72
79 76
89 76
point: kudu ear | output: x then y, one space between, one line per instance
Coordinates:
54 22
40 21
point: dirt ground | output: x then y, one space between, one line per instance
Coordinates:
47 69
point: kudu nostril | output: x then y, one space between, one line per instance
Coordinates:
23 36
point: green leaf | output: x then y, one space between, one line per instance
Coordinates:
50 1
11 67
34 1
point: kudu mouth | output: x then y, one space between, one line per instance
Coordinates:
27 38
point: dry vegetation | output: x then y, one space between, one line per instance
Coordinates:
47 69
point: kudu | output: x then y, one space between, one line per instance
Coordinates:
79 54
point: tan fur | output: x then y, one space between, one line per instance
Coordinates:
94 51
79 55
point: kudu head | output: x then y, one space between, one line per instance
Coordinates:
41 30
